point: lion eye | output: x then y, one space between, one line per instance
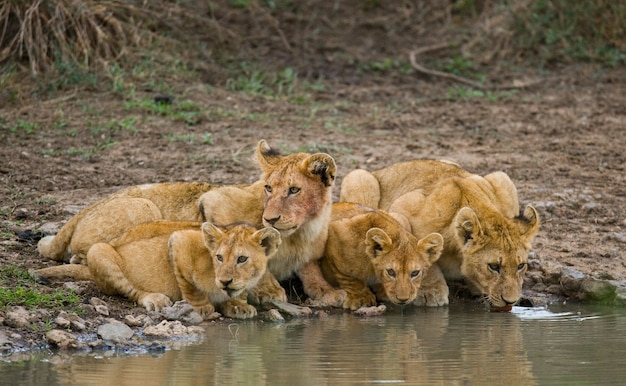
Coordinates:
494 267
415 274
268 189
294 190
391 272
521 266
242 259
219 258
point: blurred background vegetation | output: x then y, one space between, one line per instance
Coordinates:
53 45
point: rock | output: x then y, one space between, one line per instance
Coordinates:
134 321
63 339
292 309
571 280
100 306
115 332
6 343
620 292
170 329
183 311
50 228
600 291
19 317
72 321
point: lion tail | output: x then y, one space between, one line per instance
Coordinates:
56 247
72 271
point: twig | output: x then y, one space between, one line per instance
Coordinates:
459 79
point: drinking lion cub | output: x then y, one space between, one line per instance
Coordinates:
369 247
486 237
157 263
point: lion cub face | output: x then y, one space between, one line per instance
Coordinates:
401 264
298 187
240 254
495 253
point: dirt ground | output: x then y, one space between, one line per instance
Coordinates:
562 141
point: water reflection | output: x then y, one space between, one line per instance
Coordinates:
449 345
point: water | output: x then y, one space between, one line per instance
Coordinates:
457 345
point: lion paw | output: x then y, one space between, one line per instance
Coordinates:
433 297
331 298
206 311
238 310
154 301
267 294
354 302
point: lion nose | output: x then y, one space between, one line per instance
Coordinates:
508 302
402 300
226 283
272 221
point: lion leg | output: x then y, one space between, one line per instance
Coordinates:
506 193
105 266
267 290
198 299
361 187
322 294
238 309
434 291
358 293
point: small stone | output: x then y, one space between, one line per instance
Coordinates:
115 332
133 321
102 310
18 317
63 339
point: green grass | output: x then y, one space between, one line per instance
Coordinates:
186 111
564 30
17 288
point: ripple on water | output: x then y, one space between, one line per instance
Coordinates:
543 313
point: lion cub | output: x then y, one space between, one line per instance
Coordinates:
369 247
487 238
157 263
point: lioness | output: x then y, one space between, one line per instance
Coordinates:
369 247
293 195
112 216
486 239
157 263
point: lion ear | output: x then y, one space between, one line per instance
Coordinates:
377 243
432 245
467 225
323 165
266 156
530 222
211 235
269 239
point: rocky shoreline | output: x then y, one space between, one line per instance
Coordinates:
117 324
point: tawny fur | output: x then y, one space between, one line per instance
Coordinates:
486 238
110 217
367 247
161 262
293 196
